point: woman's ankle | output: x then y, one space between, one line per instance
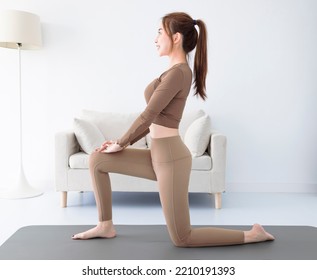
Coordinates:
107 227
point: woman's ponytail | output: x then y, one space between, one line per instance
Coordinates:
200 61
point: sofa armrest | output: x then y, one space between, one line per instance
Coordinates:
65 145
218 151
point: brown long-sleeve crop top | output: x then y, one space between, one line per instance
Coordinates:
166 99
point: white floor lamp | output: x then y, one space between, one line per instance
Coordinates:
22 31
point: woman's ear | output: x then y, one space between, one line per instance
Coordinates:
177 38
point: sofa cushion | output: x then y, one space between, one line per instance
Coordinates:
88 135
197 136
113 125
81 161
203 162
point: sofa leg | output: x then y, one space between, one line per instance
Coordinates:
218 200
64 200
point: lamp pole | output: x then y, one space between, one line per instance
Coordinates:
20 30
22 189
19 45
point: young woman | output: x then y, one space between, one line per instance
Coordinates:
168 161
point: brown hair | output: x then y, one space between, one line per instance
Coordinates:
185 25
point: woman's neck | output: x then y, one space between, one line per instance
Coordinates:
177 59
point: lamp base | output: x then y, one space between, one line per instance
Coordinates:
22 190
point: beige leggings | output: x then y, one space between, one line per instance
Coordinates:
168 162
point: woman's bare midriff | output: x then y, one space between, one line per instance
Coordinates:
159 131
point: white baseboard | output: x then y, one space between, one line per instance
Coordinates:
272 187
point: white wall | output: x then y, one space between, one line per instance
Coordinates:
100 55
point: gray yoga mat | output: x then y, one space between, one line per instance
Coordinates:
151 242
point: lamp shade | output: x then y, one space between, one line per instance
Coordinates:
20 27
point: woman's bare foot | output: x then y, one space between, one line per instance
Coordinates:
257 234
102 230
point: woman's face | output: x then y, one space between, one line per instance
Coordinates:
163 42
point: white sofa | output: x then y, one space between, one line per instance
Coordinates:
72 149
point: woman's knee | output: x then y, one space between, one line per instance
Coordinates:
94 159
180 243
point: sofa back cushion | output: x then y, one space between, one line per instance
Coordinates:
113 125
197 136
88 135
